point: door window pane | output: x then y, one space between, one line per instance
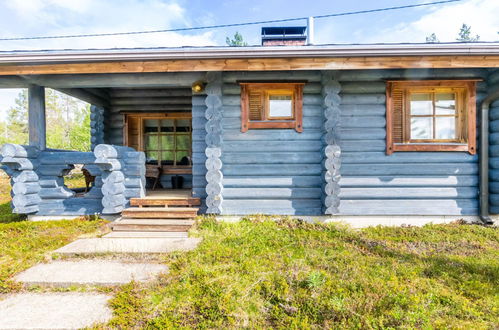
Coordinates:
167 142
183 142
421 104
445 104
445 128
152 142
151 125
183 125
421 128
167 125
280 106
151 156
167 157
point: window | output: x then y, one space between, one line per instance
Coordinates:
431 116
166 139
271 105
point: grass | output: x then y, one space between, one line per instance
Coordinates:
286 274
23 243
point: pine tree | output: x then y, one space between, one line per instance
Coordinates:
464 34
237 41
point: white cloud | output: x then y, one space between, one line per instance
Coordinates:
66 17
445 22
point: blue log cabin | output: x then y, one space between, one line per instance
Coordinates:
332 130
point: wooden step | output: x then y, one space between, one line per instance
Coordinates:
152 201
159 225
160 212
147 234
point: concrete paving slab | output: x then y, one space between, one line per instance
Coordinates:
129 245
89 272
69 310
146 234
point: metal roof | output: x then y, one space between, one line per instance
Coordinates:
331 50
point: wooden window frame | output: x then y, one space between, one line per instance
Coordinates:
465 108
141 117
295 89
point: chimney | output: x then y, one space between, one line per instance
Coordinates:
284 36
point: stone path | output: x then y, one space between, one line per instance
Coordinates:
73 310
68 310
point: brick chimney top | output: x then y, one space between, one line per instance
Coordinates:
284 36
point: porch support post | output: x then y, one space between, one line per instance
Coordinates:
36 117
332 152
213 140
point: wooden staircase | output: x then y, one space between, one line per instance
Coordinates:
153 215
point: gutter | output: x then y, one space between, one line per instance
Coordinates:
145 54
484 157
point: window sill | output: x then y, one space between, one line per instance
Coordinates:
415 147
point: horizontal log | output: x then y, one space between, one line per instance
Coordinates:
409 207
363 87
272 135
410 181
308 123
25 209
20 164
98 80
450 169
25 188
362 145
363 98
56 193
69 157
363 122
272 169
272 193
271 146
109 151
25 176
409 193
153 108
26 200
407 157
18 151
272 181
85 96
416 74
362 134
272 158
118 101
360 110
149 93
234 77
234 111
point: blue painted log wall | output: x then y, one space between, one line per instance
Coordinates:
493 82
417 183
272 171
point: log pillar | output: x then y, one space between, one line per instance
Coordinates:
36 117
332 152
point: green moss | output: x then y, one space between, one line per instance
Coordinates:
260 273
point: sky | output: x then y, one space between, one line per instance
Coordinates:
21 18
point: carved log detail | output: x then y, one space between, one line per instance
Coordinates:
213 140
20 163
123 176
332 152
96 126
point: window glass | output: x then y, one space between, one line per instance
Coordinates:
421 104
167 142
280 106
167 125
183 142
183 158
167 157
421 128
152 142
151 125
151 156
183 125
445 104
446 128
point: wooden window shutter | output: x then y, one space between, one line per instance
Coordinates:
397 99
256 101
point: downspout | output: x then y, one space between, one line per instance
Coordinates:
484 157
